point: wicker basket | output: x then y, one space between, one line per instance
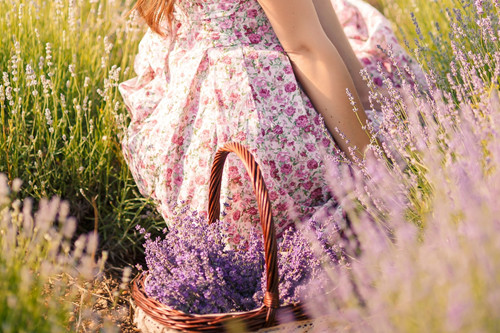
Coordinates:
266 316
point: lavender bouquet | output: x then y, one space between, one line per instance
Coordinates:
194 269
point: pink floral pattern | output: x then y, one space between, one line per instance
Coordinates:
221 75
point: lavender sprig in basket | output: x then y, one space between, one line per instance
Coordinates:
193 271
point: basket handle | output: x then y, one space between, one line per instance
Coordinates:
271 298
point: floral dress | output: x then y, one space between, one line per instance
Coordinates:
221 75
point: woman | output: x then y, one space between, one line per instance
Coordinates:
270 74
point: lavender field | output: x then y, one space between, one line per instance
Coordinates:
422 253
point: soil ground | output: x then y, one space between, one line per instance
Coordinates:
109 303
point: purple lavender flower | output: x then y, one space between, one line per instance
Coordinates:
195 270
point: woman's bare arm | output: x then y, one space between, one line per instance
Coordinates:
333 29
320 69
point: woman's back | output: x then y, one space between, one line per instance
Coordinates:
226 23
197 10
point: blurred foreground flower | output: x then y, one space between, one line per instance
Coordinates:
425 211
40 266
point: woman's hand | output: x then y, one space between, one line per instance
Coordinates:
320 69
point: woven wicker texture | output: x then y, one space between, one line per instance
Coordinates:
267 314
147 325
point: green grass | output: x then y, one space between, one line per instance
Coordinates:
61 115
433 29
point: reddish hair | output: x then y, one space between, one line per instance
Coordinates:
154 11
